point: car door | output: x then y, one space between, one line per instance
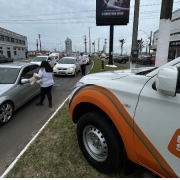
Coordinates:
23 92
157 124
77 65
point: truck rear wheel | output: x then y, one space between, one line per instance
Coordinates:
100 142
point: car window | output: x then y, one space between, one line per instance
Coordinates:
27 73
39 59
8 75
66 61
34 68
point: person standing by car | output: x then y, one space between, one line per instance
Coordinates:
46 75
82 64
102 57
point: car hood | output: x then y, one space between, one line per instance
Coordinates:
65 65
114 75
5 87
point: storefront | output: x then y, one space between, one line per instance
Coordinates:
174 43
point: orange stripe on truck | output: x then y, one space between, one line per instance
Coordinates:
128 129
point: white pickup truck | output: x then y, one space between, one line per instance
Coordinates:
130 116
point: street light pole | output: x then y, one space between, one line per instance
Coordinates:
89 41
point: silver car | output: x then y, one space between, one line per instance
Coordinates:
15 88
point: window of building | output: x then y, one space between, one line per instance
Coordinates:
1 38
15 53
14 49
19 49
12 40
16 41
20 42
8 48
7 39
23 42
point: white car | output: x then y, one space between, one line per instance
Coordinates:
67 66
37 60
130 115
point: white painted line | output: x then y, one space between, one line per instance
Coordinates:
22 152
26 147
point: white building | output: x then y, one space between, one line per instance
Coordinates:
12 44
174 42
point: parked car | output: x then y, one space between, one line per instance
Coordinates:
144 60
67 66
5 59
153 59
121 59
15 88
37 60
128 116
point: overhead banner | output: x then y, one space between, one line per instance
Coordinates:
112 12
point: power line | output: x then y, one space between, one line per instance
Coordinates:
145 5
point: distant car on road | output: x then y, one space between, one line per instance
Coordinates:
67 66
144 60
37 60
121 59
15 88
5 59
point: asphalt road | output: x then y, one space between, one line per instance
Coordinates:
29 119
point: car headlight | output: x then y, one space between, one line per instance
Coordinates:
75 88
54 68
71 68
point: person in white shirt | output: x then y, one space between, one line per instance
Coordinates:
82 61
102 57
46 75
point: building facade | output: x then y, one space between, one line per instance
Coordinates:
174 42
13 44
68 46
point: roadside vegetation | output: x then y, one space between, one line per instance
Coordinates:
55 152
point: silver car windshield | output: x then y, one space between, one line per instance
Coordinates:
8 75
39 59
66 61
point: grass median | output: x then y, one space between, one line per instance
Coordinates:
55 152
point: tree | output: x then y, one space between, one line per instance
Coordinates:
122 41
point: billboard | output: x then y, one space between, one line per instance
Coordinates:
112 12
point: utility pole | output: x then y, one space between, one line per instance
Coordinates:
150 42
85 44
37 44
89 41
135 32
98 45
40 41
164 33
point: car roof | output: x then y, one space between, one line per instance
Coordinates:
15 65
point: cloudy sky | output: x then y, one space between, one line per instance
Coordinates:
55 20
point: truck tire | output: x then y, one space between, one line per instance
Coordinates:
100 142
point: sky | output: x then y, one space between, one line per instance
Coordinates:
56 20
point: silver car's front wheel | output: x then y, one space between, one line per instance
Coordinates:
6 112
